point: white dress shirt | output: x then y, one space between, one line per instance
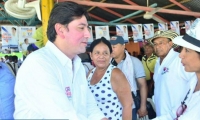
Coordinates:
24 46
171 83
192 102
42 88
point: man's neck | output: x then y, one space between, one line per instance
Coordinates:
62 48
148 55
161 59
120 58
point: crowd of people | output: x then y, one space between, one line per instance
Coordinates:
53 83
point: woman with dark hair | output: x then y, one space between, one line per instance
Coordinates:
108 84
189 108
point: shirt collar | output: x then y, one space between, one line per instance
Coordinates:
145 56
60 55
113 62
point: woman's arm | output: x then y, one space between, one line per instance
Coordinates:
122 88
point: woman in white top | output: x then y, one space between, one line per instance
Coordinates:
190 58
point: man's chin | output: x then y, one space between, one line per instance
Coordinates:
112 56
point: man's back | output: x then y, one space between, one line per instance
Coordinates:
7 82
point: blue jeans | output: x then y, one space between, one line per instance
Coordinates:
134 114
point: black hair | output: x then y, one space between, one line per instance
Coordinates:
180 48
14 58
14 28
198 52
85 57
6 56
98 41
10 58
25 39
63 13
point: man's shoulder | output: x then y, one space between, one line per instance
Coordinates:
1 63
176 59
135 59
40 54
37 58
5 71
173 53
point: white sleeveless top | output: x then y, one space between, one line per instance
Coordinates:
106 98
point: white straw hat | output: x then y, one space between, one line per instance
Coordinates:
167 34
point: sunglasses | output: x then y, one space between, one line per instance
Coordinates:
182 108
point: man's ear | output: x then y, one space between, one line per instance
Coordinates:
124 46
59 28
171 43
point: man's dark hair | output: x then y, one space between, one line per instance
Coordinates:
198 53
25 39
6 56
14 28
85 57
15 58
10 58
98 41
63 13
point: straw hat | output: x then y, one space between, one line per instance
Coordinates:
191 39
167 34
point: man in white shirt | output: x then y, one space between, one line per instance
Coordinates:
14 39
171 80
51 83
25 45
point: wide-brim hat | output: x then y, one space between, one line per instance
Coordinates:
167 34
191 39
